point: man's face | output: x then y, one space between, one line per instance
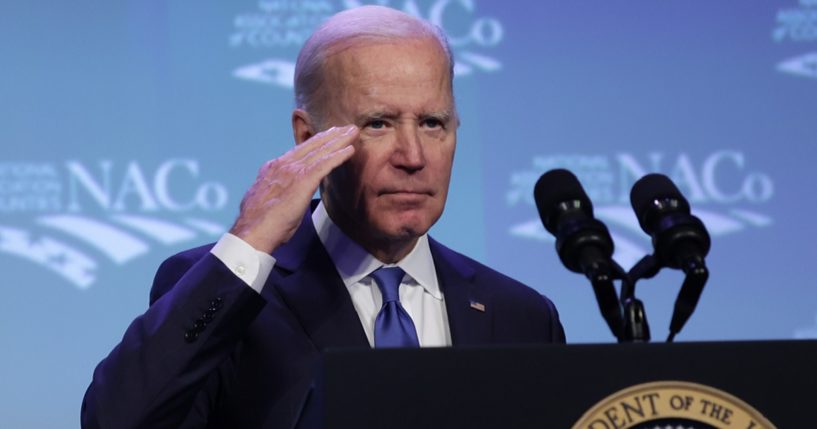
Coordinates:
394 187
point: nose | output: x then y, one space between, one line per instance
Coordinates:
408 154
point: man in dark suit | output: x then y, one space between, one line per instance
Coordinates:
234 331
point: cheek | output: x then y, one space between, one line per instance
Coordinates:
360 183
343 183
371 167
443 163
365 175
354 170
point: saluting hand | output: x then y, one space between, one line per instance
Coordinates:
273 207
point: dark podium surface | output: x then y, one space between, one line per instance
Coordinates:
552 386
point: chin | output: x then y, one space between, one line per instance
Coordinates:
409 226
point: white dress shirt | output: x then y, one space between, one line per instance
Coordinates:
420 292
250 265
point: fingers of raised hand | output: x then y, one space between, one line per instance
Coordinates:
315 158
301 169
324 141
322 164
273 206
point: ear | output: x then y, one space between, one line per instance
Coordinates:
302 126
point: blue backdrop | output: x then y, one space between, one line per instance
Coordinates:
131 129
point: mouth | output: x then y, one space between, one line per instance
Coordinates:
406 192
403 196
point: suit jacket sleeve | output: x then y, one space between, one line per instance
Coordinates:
557 331
171 363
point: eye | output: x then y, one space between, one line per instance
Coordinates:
376 124
432 123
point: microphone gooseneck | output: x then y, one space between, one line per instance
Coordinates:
583 243
680 241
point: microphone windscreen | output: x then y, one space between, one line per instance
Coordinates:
652 187
554 187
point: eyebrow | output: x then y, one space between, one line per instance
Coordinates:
442 115
375 114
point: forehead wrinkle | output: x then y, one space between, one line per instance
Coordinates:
368 102
353 66
350 79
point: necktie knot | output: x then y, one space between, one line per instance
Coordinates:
388 281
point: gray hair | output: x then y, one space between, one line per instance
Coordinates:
344 29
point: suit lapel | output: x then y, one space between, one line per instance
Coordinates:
307 280
312 289
466 301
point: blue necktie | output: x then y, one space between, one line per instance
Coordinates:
393 326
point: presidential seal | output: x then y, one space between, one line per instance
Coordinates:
672 405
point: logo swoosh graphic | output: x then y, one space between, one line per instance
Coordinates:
627 252
70 263
623 224
205 226
160 230
804 65
532 229
273 71
118 245
622 216
718 224
480 61
752 218
807 333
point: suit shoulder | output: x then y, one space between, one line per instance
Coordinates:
501 284
515 304
173 268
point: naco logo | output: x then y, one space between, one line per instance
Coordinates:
69 217
724 193
284 24
798 24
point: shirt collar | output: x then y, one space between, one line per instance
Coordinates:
354 263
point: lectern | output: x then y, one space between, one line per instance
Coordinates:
720 384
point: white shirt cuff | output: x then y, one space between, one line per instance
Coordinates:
250 265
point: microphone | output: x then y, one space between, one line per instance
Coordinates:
679 238
680 241
583 243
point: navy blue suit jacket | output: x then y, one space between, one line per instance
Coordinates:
211 352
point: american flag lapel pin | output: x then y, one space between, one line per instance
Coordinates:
478 306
